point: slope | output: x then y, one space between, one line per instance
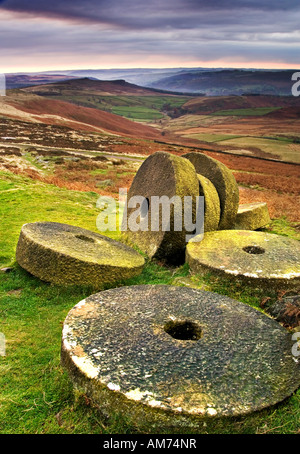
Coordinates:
29 107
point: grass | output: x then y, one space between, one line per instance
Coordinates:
37 396
287 151
253 111
140 108
206 137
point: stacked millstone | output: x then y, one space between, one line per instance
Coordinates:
192 175
222 179
229 244
65 254
161 175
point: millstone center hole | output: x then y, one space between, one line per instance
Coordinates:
85 238
254 250
144 208
183 330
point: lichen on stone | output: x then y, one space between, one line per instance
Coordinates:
65 254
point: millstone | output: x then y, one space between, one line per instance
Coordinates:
252 216
211 203
163 174
170 356
254 257
65 254
224 182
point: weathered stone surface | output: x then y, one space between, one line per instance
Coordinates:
223 180
212 209
257 258
163 174
169 356
252 216
65 254
286 311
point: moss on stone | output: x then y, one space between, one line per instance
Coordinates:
117 350
163 174
252 216
212 209
65 254
257 258
224 182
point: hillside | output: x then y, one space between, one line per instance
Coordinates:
229 82
93 87
29 107
118 97
213 104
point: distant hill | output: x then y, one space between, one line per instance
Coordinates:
229 82
93 87
209 81
211 104
25 80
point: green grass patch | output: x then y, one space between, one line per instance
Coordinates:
140 108
211 137
254 111
137 113
37 396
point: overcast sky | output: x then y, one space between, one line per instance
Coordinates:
73 34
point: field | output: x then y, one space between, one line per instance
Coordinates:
54 165
37 396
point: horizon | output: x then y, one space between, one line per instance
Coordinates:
73 69
39 36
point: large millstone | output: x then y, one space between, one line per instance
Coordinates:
65 254
211 204
223 180
162 175
252 216
257 258
168 356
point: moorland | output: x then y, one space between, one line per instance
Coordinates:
63 143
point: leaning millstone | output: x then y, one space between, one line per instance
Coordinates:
256 258
161 177
65 254
223 180
211 203
167 357
252 216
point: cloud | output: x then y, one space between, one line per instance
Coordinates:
182 14
138 32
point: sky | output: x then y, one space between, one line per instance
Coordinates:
40 35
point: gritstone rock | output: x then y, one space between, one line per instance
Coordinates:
257 258
252 216
286 311
224 182
65 254
211 204
166 356
162 175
